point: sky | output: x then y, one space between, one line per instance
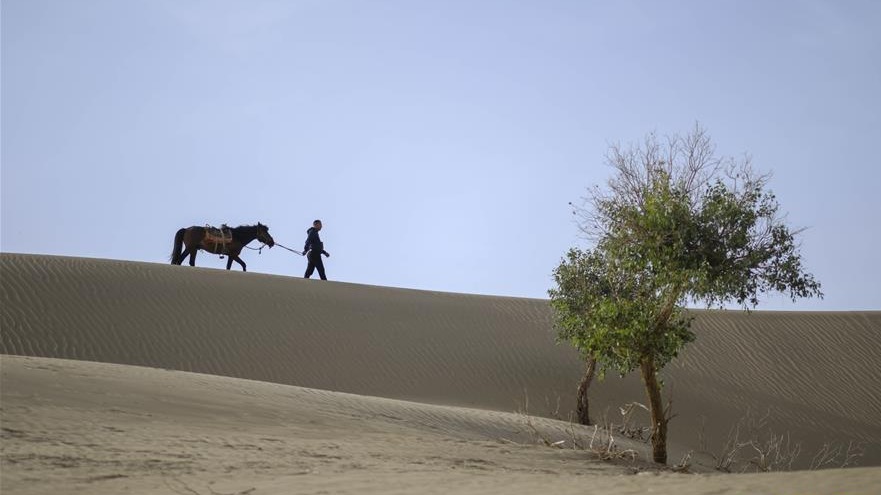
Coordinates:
439 142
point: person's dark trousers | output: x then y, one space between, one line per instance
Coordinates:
315 262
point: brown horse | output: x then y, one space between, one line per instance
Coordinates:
228 241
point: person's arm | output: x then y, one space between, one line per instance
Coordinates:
308 243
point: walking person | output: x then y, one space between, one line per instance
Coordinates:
313 249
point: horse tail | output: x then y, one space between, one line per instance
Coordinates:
178 247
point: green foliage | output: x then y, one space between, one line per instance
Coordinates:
609 313
676 225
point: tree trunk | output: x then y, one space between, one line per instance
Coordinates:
581 408
659 417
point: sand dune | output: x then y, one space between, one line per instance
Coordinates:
97 428
814 374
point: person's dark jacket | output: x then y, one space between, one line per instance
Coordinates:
313 242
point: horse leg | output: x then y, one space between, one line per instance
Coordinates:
237 260
190 244
183 256
176 258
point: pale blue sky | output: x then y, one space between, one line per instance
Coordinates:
439 141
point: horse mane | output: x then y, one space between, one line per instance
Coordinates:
244 228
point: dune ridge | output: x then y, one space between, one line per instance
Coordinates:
816 374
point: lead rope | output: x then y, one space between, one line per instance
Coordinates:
277 244
289 249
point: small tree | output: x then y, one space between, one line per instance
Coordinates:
676 224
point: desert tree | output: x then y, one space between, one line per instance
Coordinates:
675 225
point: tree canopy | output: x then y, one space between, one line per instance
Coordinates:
675 224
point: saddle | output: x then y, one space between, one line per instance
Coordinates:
219 237
222 235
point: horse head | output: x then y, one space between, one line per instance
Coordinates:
263 235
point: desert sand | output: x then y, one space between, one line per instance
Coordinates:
127 377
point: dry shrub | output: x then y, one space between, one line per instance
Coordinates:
600 441
751 445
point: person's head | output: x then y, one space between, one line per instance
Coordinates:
317 224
